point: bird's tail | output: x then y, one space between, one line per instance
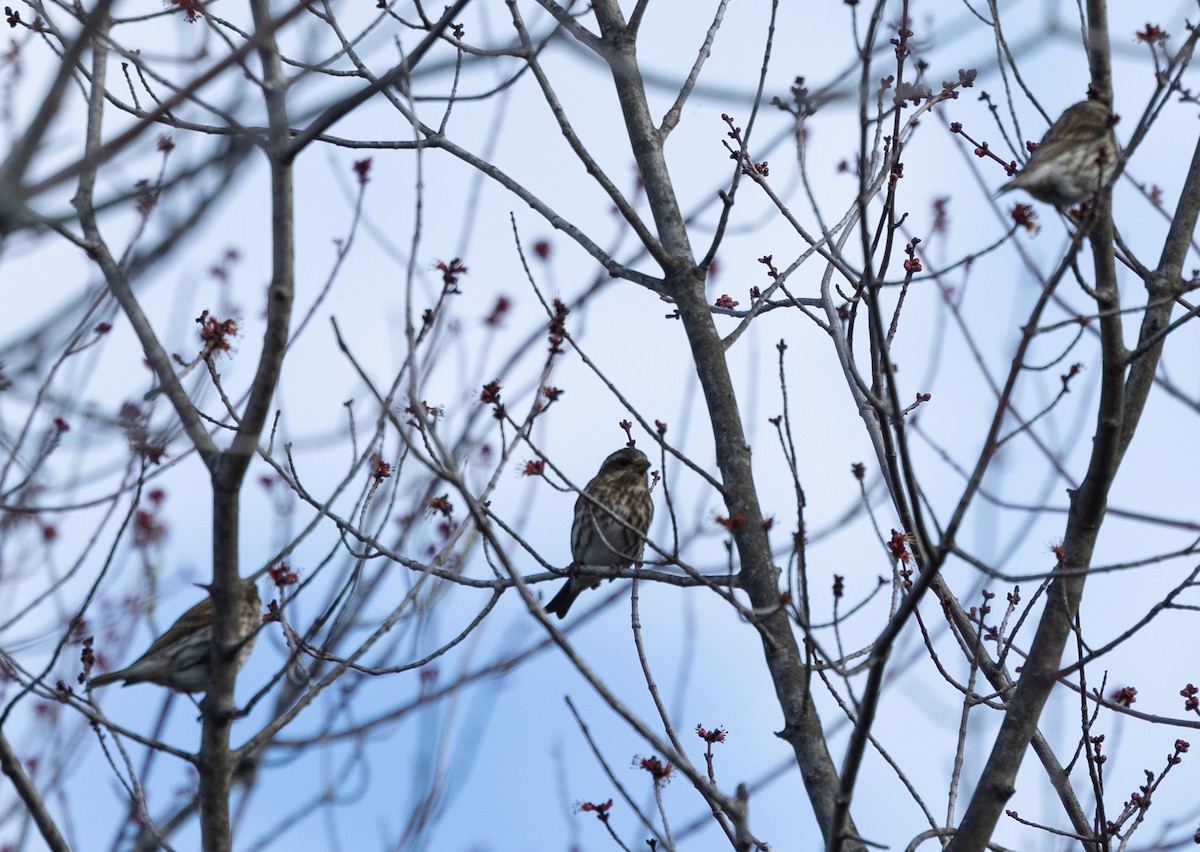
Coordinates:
560 604
106 678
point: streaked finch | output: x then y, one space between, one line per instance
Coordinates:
179 659
1075 159
612 533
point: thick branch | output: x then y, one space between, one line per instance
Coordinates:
10 765
759 577
215 762
1164 284
1088 504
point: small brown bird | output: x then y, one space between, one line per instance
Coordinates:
1075 159
179 659
598 538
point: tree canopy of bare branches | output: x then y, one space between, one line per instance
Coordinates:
355 303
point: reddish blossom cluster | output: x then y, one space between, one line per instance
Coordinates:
490 395
147 528
1191 702
451 272
87 657
440 505
13 18
1023 216
1153 34
215 334
423 407
191 8
600 810
731 523
220 271
940 218
499 312
898 546
282 574
659 771
912 264
1071 373
558 327
147 197
977 613
380 469
766 260
272 613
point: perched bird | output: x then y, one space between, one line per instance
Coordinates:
611 534
1074 160
179 659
